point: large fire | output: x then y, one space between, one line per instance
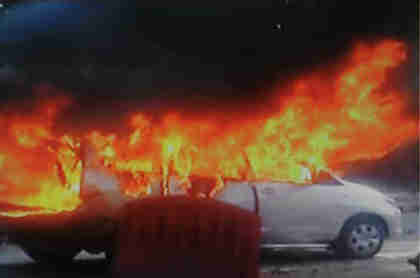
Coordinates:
38 169
318 121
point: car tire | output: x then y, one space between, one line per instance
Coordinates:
109 257
49 257
362 237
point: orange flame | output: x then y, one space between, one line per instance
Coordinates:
319 121
37 168
323 122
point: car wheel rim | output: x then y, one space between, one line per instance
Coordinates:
365 239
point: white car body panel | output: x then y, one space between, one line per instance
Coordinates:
298 214
290 214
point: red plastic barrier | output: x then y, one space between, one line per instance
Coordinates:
183 237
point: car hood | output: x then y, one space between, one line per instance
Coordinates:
365 192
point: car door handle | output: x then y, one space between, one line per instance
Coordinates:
268 191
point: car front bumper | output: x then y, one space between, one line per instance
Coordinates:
394 222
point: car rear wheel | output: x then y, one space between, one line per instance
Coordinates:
109 257
361 238
50 257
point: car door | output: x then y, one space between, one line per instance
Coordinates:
240 194
298 213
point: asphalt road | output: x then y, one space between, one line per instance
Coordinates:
391 262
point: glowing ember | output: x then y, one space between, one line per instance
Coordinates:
322 120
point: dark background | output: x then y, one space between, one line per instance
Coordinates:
110 53
117 45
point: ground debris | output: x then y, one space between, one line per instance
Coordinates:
415 261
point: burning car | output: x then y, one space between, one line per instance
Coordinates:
267 155
331 213
351 219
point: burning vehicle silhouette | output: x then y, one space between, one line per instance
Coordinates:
64 190
349 218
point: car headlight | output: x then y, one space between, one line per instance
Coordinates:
394 204
391 201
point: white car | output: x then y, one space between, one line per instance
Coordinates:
350 218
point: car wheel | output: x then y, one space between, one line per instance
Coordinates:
361 238
47 256
109 257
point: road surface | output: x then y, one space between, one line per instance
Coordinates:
390 262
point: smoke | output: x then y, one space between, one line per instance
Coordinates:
8 74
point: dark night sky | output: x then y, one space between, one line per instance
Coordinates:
104 50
